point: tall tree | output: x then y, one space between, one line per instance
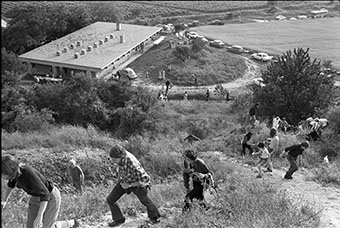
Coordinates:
294 87
34 25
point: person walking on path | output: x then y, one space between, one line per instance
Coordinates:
185 96
77 175
251 115
44 204
131 178
196 169
168 86
264 156
292 153
273 148
207 95
245 143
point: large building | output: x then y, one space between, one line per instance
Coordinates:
94 50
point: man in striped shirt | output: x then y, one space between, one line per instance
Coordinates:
131 178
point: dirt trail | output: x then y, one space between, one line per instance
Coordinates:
253 71
326 199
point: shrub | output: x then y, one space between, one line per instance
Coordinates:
28 119
311 91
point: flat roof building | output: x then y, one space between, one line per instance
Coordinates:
94 50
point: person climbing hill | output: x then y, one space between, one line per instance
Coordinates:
292 154
251 115
197 170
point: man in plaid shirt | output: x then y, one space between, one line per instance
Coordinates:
131 178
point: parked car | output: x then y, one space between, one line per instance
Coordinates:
302 17
216 43
127 72
192 35
205 40
216 22
194 24
262 56
236 49
280 17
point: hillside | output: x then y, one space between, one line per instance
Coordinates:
210 66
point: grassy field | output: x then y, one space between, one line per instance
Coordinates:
322 36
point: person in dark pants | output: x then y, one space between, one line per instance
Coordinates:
293 152
251 116
45 200
208 95
131 178
77 175
168 85
196 169
245 144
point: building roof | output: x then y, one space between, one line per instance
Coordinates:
98 57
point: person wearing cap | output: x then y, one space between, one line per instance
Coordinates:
131 178
45 200
197 170
292 153
77 175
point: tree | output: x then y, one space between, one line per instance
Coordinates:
294 87
182 52
197 45
32 26
10 62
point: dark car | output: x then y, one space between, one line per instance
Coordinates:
236 49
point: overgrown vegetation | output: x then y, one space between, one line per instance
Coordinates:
46 125
294 87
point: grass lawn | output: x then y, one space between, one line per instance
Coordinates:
321 36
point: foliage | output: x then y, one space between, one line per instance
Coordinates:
9 80
28 119
31 26
197 45
10 62
182 52
105 11
333 117
294 87
328 174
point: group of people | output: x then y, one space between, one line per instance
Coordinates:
313 127
45 201
163 94
270 147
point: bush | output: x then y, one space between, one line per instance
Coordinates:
333 117
28 119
